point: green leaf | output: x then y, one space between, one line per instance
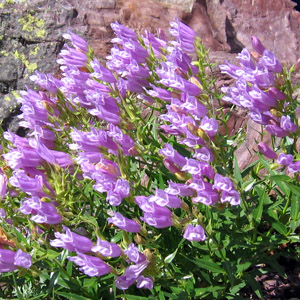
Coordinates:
247 170
294 208
237 171
265 163
117 237
132 297
278 226
295 189
71 296
170 257
237 288
242 267
263 197
89 282
230 271
207 290
206 264
52 254
70 268
254 285
281 182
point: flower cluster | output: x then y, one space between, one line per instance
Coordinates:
256 89
88 127
10 260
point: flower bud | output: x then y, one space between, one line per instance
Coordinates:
195 81
133 151
266 151
297 65
138 239
192 128
171 166
275 113
182 176
201 133
257 45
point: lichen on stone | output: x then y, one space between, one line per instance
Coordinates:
33 25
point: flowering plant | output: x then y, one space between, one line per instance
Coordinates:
125 187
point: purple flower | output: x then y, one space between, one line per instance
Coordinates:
261 101
276 93
193 106
91 140
10 260
134 271
170 166
59 158
120 138
207 197
222 183
151 207
7 261
107 248
263 78
122 31
122 283
231 70
46 81
287 125
260 117
144 282
71 241
155 43
2 213
179 189
245 59
181 60
3 185
184 35
200 168
22 259
137 52
266 151
105 108
257 45
209 125
121 191
101 72
160 93
204 154
157 221
29 185
285 159
198 184
134 254
90 265
72 57
233 197
277 131
162 198
294 167
124 223
42 212
171 154
270 61
77 41
194 233
154 215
